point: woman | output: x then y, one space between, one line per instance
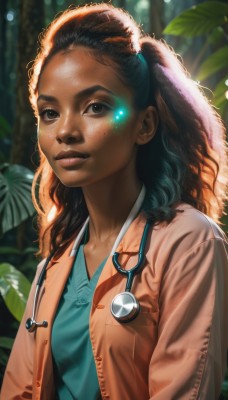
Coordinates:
128 140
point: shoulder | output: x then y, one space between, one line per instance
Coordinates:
193 224
188 232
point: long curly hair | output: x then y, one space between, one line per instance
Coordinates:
186 160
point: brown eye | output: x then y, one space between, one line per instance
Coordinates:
97 108
48 114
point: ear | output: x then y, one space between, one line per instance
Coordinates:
148 125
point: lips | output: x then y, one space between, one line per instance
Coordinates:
71 154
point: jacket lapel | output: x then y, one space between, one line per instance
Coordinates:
128 246
58 271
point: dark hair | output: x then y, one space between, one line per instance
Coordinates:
185 162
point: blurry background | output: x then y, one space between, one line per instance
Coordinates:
198 31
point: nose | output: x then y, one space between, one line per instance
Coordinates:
68 130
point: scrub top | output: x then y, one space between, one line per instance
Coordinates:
75 370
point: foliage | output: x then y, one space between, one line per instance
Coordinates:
5 139
225 386
5 130
5 344
210 19
14 288
5 347
15 207
215 62
198 20
15 199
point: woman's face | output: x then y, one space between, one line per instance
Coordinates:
87 127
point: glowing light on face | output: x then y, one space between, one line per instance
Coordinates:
120 115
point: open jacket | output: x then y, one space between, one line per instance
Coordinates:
174 349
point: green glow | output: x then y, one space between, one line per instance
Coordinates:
120 115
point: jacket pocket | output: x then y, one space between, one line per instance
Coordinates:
145 317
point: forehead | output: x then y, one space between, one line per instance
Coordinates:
77 68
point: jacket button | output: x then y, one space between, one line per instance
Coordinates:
100 306
98 358
37 383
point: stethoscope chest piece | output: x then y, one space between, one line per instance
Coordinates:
125 307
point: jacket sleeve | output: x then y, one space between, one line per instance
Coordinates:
189 360
17 381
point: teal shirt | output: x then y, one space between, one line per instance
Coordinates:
75 370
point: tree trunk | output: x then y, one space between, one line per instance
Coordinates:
31 22
3 8
156 18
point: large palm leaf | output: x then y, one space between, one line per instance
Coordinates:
15 196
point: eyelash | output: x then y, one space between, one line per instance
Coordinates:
43 114
105 108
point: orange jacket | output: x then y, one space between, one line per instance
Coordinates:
174 349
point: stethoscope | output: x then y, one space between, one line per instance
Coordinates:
124 307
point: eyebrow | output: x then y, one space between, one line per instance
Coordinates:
83 93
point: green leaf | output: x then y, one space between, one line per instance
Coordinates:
15 198
198 20
30 250
220 93
3 357
9 250
6 342
14 288
216 62
5 130
216 37
225 388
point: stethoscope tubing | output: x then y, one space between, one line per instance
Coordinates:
31 323
141 257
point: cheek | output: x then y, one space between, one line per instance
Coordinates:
45 145
106 139
45 138
45 133
99 134
43 141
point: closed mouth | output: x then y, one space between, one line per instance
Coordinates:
70 154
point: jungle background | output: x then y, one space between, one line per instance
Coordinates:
198 31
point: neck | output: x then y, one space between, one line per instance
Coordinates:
109 204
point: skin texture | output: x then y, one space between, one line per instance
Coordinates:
84 107
87 123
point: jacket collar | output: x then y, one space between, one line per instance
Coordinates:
129 244
132 238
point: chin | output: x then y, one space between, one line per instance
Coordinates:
71 181
70 184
